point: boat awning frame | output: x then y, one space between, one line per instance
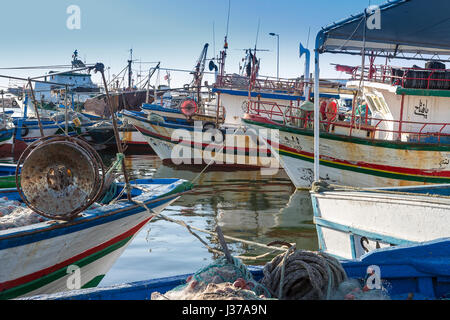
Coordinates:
401 27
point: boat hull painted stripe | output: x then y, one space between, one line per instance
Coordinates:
23 285
398 173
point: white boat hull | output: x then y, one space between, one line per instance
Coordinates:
45 266
352 223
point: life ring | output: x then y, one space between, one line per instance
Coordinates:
189 108
19 98
14 103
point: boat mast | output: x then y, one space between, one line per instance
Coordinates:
223 55
130 72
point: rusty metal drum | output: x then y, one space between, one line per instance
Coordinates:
60 177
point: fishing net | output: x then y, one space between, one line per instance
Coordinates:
294 275
218 281
14 214
352 289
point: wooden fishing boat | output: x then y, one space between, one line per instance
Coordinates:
398 132
85 219
38 258
102 136
182 110
352 222
182 142
408 272
353 154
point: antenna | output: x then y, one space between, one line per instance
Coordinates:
228 18
257 33
307 42
214 41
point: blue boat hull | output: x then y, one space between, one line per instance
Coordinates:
418 272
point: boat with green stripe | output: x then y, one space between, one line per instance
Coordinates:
55 256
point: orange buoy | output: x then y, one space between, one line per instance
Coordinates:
189 108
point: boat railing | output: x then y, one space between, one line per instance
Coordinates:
410 78
352 125
211 110
240 82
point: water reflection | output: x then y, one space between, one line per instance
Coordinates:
245 204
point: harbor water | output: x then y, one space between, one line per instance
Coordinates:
245 204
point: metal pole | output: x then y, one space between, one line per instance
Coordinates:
278 56
36 108
116 135
3 105
66 115
278 53
316 117
147 96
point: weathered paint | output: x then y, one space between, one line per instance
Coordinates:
246 153
420 270
92 242
359 162
354 222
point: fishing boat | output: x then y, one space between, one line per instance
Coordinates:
70 218
351 222
189 111
206 138
6 134
80 83
23 125
102 135
90 243
397 133
407 272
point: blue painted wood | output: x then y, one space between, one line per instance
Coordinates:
440 189
7 169
422 270
265 95
359 232
91 217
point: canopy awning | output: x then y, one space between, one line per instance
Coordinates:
401 27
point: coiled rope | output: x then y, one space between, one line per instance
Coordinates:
303 275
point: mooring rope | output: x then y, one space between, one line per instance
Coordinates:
190 228
303 275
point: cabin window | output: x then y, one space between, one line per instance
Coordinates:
370 103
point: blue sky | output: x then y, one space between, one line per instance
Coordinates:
170 31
